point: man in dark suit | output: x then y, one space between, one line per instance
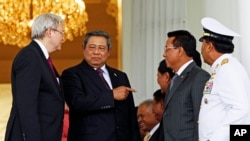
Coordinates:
38 103
183 98
100 100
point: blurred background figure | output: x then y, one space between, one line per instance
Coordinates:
145 117
164 75
158 109
158 104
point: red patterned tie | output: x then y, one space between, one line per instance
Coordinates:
51 66
100 72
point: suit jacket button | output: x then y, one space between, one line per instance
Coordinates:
205 101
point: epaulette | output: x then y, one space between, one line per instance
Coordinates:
224 61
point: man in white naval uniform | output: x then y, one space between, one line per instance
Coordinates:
226 94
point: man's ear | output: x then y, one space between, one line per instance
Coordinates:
181 51
209 47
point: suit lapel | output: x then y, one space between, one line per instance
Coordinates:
90 73
178 81
171 92
44 61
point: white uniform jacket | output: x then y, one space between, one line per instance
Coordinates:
225 100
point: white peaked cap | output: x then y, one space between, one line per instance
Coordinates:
216 27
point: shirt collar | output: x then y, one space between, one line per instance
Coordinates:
105 71
152 131
183 67
43 48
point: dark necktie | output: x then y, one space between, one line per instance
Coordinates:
100 72
172 81
51 66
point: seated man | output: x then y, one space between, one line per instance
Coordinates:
146 118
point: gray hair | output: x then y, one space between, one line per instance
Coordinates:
148 103
44 22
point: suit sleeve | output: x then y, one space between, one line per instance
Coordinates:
128 114
25 86
82 95
197 93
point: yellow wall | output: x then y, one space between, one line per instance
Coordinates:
5 104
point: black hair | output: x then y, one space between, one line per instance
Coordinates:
162 68
197 58
97 33
158 96
220 45
185 39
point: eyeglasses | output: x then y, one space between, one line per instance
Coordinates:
167 48
61 32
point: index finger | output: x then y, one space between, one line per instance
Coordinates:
131 89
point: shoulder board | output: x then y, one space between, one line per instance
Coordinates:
224 61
